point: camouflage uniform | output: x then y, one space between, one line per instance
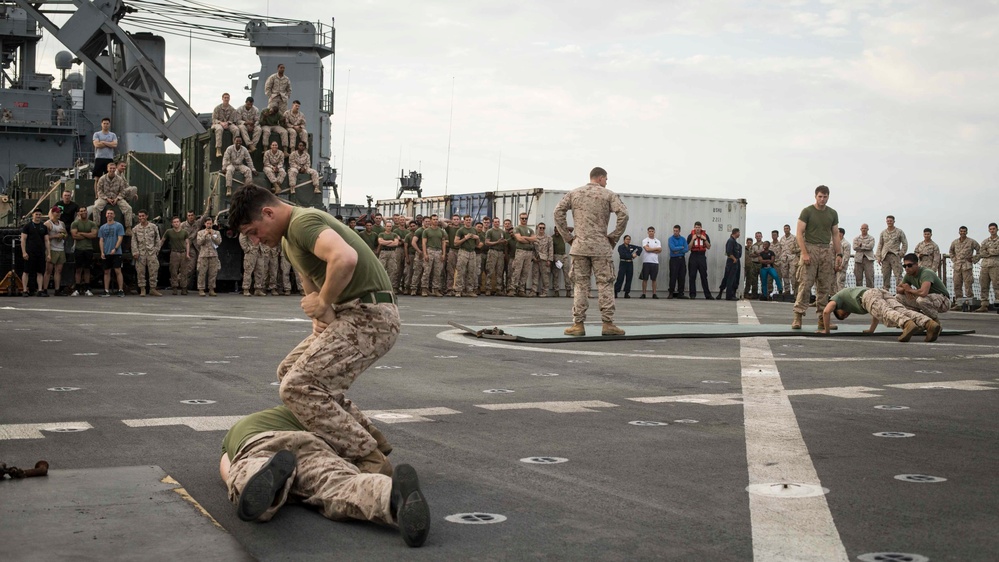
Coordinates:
819 273
274 167
254 263
208 258
190 263
792 255
293 120
298 161
112 188
286 270
237 160
273 123
929 255
889 311
389 258
321 478
560 275
541 269
278 91
464 276
145 252
989 275
249 125
495 261
863 260
452 261
892 245
592 246
844 248
753 266
963 255
433 270
273 263
228 114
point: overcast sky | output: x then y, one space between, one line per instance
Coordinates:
892 104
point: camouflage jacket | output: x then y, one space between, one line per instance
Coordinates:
989 251
963 253
274 159
929 255
145 239
224 113
591 206
892 242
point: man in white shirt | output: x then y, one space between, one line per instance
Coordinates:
650 262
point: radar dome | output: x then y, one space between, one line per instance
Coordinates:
64 60
74 80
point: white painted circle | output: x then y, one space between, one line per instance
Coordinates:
131 374
476 518
51 341
920 478
894 434
544 460
578 361
197 401
391 416
787 490
685 421
156 344
63 388
643 423
544 374
445 356
715 382
928 372
85 354
892 557
232 356
888 407
498 391
388 367
248 337
67 429
216 362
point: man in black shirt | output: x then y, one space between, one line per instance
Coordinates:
626 267
733 253
70 210
35 251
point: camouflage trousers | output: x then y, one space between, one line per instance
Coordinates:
126 210
243 170
190 268
321 478
177 263
494 271
208 270
416 275
144 263
840 282
390 262
863 272
315 375
541 276
250 138
819 273
886 308
930 305
560 276
964 279
218 128
285 281
788 270
466 271
988 276
603 269
273 263
520 271
450 268
889 265
254 269
753 278
275 174
400 269
433 270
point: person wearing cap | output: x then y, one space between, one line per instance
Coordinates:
57 249
35 251
247 116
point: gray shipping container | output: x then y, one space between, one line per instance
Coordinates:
412 206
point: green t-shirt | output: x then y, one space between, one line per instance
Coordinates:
936 285
388 235
377 228
434 237
818 224
495 235
418 236
408 239
469 244
451 231
369 238
176 239
524 231
849 300
86 225
402 232
304 229
279 418
558 245
511 243
480 245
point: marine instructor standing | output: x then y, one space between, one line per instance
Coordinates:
592 247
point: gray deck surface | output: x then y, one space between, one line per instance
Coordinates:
627 492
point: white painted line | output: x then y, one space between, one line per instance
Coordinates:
729 399
784 529
947 385
842 392
411 415
152 314
34 430
556 407
202 423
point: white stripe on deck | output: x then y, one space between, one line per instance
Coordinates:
34 430
784 529
201 423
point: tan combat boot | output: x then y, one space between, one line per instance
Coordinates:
246 293
909 329
933 329
155 293
822 325
259 293
610 329
577 329
211 293
201 293
983 308
142 292
796 323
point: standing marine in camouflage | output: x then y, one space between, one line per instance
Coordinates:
522 260
753 266
434 257
989 253
399 227
145 251
818 225
544 251
254 266
844 248
495 244
416 244
466 239
388 243
355 320
560 265
277 88
792 255
452 254
892 245
208 258
592 247
273 260
863 258
294 119
180 251
962 253
191 226
928 252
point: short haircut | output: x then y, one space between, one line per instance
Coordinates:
911 257
142 212
991 224
676 226
774 232
246 203
476 224
191 212
433 216
108 119
36 210
842 230
787 226
367 222
540 224
175 218
226 94
413 223
735 230
927 230
697 223
466 217
298 102
962 228
822 189
892 217
651 228
250 99
598 172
